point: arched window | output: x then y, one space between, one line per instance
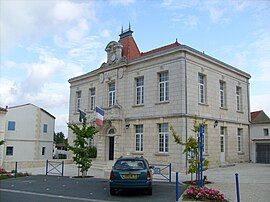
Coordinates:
111 131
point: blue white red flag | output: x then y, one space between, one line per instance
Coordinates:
100 116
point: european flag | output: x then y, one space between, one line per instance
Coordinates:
82 115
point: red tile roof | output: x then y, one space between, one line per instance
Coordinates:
130 48
254 115
169 46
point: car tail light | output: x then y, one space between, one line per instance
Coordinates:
149 176
111 175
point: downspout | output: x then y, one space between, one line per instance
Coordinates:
249 121
186 105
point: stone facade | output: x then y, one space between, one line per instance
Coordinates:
182 66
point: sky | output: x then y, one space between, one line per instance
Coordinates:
46 42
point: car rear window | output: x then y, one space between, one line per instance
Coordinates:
129 164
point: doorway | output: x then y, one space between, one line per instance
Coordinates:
111 148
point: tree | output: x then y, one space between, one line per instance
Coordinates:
2 142
81 151
191 147
59 138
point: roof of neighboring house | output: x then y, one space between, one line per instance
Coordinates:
259 117
34 106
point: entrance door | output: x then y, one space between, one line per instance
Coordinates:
263 153
111 147
222 144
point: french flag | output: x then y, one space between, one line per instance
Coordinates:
100 116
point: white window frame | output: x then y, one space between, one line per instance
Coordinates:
139 90
238 98
111 94
78 100
222 93
239 140
163 142
163 78
139 138
202 88
92 101
222 136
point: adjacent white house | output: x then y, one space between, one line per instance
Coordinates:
28 134
260 138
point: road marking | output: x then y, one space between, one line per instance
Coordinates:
53 196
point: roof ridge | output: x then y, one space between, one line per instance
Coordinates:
171 45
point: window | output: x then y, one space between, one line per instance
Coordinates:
163 137
139 90
239 139
43 151
139 137
78 101
222 93
222 138
201 88
11 125
163 86
91 142
111 94
238 98
92 98
266 132
45 128
9 151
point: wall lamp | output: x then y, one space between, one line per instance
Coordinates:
127 126
216 123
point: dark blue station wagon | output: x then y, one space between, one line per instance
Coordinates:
131 173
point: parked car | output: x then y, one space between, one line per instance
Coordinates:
131 173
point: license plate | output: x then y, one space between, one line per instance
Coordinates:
130 176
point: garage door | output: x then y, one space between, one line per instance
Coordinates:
263 153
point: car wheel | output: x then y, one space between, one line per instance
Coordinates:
149 191
112 191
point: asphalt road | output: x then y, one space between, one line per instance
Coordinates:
61 189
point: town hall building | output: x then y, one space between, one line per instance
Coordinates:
144 93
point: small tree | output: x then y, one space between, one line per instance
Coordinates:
2 142
191 148
82 153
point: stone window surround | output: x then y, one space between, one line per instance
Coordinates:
202 98
166 85
139 133
92 98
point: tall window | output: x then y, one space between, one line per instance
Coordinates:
222 138
163 137
239 139
43 151
201 88
9 151
45 128
139 90
266 132
163 86
139 137
11 125
78 100
92 98
111 94
222 93
238 98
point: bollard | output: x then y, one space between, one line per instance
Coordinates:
16 169
176 188
170 172
46 167
62 168
237 187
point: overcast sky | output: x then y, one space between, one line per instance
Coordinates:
44 43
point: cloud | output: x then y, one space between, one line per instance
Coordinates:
189 20
122 2
260 102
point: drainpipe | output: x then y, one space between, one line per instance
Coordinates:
186 105
248 98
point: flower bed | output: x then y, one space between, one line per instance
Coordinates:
203 194
5 175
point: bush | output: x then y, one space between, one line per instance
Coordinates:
204 193
93 152
2 171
